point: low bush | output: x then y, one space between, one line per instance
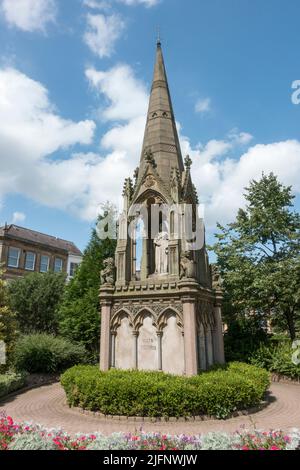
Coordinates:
43 353
277 359
11 382
137 393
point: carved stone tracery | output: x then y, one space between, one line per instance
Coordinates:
160 314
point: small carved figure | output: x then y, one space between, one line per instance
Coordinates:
149 158
217 281
161 243
149 181
187 266
188 162
108 272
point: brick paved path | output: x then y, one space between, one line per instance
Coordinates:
46 405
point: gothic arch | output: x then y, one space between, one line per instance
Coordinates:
141 315
118 317
164 316
152 193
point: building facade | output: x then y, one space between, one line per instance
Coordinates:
23 251
160 299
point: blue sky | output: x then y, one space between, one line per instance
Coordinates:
74 83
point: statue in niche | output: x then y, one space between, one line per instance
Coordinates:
217 281
187 266
108 272
161 243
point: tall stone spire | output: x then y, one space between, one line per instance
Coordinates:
161 138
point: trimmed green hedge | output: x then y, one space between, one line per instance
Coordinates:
136 393
11 382
43 353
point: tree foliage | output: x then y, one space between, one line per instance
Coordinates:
79 313
35 299
8 324
259 256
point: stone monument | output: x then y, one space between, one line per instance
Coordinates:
160 299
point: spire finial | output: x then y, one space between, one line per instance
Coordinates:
158 42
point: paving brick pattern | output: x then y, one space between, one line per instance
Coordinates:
46 405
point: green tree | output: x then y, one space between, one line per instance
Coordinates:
259 256
35 299
8 324
79 312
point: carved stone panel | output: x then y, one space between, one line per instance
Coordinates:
147 346
172 347
124 346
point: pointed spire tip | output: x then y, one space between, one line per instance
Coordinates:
158 41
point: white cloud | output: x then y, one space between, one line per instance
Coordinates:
29 15
31 131
241 138
221 179
126 96
97 4
203 106
103 32
147 3
18 217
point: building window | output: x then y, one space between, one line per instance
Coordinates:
58 264
44 265
73 267
30 261
13 257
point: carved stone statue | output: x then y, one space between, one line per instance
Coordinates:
161 243
187 266
217 281
108 272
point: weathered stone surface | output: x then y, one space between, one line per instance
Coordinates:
172 348
124 346
148 346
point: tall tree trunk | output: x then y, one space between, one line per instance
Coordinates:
289 315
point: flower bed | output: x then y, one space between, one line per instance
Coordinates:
155 394
34 437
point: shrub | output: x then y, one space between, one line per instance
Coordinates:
277 359
42 353
243 337
10 382
138 393
35 299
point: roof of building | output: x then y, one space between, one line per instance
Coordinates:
21 233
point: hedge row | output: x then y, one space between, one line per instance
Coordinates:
11 382
155 394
